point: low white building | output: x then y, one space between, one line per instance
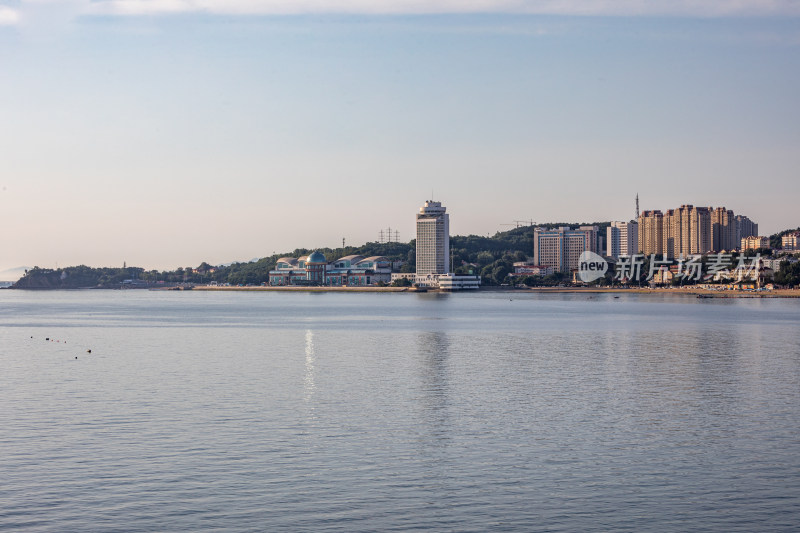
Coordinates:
524 268
448 282
453 282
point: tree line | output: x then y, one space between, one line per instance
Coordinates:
491 257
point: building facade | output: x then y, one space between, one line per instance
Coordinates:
561 248
433 239
690 230
314 270
524 268
754 243
745 228
622 239
452 282
723 230
651 232
791 242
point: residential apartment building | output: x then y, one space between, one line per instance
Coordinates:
723 230
651 232
690 230
561 248
622 239
699 230
754 243
791 242
745 228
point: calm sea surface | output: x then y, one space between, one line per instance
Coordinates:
202 411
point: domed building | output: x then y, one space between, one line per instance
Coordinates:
348 271
315 268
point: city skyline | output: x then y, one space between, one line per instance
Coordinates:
166 139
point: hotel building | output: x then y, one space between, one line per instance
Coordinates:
433 239
433 251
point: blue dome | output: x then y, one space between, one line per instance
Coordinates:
316 257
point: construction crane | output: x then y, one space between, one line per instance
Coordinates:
520 223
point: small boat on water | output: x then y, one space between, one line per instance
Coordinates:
704 296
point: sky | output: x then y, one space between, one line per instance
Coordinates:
164 133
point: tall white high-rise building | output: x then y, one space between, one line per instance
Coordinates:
622 239
433 239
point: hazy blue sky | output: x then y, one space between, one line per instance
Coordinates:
168 132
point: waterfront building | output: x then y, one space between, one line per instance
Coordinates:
410 276
561 248
433 251
453 282
433 239
314 270
622 239
754 243
289 271
524 268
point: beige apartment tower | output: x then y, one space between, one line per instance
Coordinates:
651 232
689 230
723 229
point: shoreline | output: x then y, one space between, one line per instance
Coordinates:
262 288
683 291
777 293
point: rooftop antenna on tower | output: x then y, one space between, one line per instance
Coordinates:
637 206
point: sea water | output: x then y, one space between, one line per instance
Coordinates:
266 411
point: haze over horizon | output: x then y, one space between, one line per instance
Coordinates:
163 133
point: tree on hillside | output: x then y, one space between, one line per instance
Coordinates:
775 239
